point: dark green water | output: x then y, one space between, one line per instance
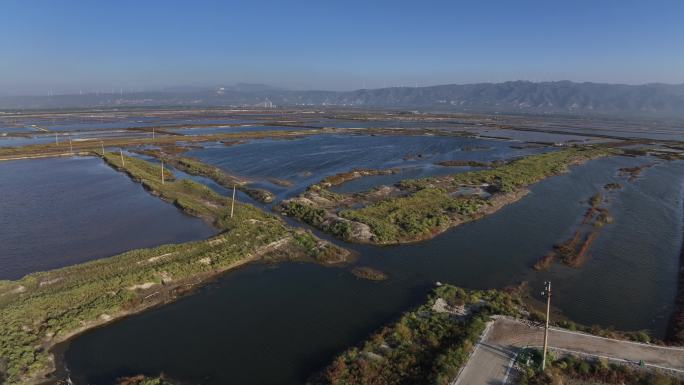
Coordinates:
277 324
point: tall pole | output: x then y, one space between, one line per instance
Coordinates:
232 205
56 140
547 293
122 160
71 148
102 144
162 174
152 133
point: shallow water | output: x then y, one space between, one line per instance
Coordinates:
62 211
389 123
304 161
658 129
276 325
9 141
96 123
227 130
631 272
11 129
63 137
532 136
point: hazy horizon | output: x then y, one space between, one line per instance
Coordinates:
72 46
191 88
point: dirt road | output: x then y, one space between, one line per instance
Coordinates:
492 359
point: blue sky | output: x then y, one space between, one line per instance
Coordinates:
67 45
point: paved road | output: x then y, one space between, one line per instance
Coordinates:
490 363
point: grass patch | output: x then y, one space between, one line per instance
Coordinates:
44 308
316 217
574 370
528 170
424 346
417 216
198 168
430 207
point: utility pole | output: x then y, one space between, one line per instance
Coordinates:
162 174
546 293
122 160
102 144
232 205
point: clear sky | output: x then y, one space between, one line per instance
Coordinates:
67 45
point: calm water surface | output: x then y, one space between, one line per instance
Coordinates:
62 211
226 130
307 160
277 324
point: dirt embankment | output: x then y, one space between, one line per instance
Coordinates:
197 168
338 179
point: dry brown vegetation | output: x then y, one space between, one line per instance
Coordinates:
574 250
369 273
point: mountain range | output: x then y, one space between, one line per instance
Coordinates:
562 97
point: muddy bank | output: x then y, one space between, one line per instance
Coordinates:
573 251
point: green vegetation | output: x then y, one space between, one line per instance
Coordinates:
309 214
305 243
425 346
571 369
44 308
526 171
418 216
192 197
518 173
431 208
197 168
317 217
426 207
463 163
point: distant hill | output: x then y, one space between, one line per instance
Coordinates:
562 97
